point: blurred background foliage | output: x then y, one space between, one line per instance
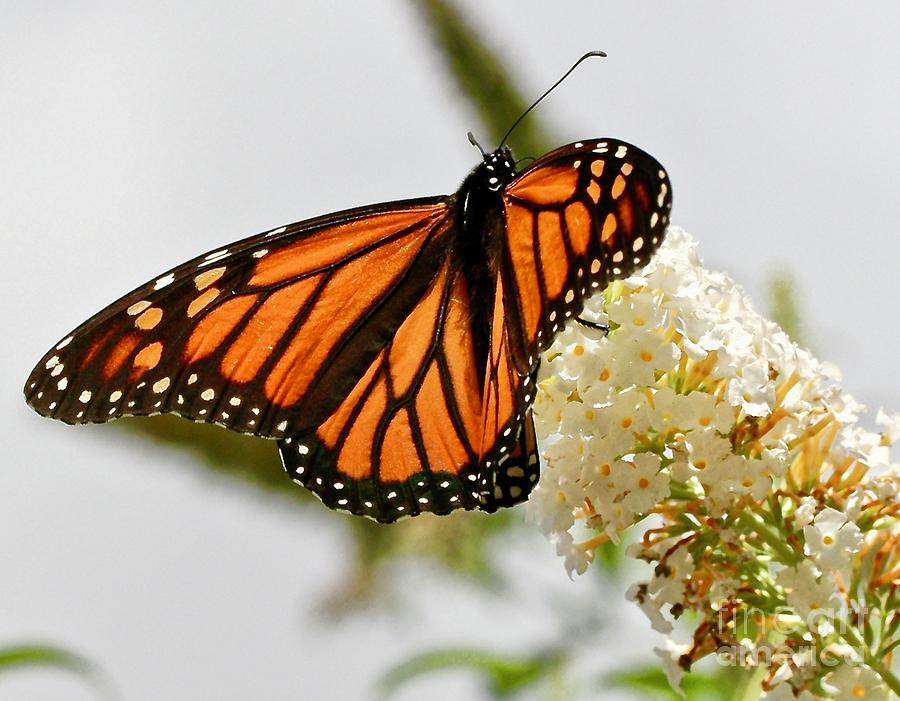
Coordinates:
459 543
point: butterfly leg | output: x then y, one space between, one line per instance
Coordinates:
593 325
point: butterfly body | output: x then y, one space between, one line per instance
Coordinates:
479 240
392 350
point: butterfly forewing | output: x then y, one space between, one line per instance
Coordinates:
576 219
264 336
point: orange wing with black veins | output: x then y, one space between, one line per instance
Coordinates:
267 336
418 433
576 219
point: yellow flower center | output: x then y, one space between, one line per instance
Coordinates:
604 375
859 692
643 483
646 356
626 422
578 350
828 540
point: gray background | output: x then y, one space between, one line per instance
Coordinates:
136 135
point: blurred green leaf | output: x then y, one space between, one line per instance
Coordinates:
35 655
503 674
783 306
484 80
19 656
457 541
252 459
610 555
721 684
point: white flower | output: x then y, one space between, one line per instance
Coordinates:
668 583
755 480
706 450
890 426
591 366
851 683
831 540
643 483
886 486
804 514
866 446
782 692
577 558
638 593
702 411
671 655
808 590
753 391
640 355
785 692
724 481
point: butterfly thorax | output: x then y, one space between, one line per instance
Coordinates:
479 205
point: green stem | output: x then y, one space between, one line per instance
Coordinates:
850 634
887 676
681 492
752 689
770 537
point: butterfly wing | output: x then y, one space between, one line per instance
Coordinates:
516 473
353 338
266 336
576 219
419 432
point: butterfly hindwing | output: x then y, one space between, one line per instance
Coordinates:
418 433
516 473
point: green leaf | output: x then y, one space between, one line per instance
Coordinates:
227 452
457 541
483 79
503 675
15 657
721 684
610 555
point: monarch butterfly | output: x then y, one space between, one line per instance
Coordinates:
391 350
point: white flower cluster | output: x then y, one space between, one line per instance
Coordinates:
699 410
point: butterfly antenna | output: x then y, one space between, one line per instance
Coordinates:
589 54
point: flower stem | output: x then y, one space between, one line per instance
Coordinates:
774 540
849 633
887 676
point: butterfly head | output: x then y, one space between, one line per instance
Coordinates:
499 168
